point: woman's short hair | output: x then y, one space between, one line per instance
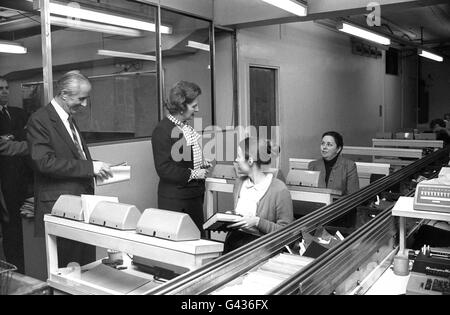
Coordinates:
261 150
338 138
70 83
438 122
181 95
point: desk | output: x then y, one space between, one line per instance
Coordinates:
308 194
416 144
23 285
404 208
365 170
312 194
189 255
389 284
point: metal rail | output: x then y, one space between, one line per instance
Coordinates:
228 267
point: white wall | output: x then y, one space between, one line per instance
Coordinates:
141 191
437 76
322 86
224 80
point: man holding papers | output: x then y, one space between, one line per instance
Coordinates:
61 159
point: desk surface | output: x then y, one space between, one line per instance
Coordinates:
389 284
405 208
316 190
23 285
192 247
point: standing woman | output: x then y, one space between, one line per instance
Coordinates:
336 172
178 155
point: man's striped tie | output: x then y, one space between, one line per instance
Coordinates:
75 139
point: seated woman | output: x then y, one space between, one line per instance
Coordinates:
336 172
263 201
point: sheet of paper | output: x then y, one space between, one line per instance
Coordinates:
89 202
120 174
113 279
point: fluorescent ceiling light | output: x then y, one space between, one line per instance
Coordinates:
68 11
12 48
198 45
292 6
95 27
429 55
362 33
120 54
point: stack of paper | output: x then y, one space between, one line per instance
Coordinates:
267 277
121 173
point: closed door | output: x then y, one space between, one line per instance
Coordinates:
263 98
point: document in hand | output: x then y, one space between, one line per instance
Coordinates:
221 221
121 173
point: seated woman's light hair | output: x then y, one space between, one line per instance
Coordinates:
261 150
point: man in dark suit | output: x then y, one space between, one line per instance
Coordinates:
61 159
9 148
15 178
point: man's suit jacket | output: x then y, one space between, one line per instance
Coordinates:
13 148
59 170
9 148
15 125
14 171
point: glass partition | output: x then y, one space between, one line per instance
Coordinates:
113 43
186 55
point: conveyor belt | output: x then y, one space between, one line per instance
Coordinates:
222 270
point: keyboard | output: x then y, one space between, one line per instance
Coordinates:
430 197
420 284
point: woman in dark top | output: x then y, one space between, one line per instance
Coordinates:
336 172
178 155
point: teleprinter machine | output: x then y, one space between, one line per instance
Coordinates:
164 243
176 230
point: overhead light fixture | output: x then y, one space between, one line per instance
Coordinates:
291 6
95 27
363 33
109 19
12 48
429 55
197 45
120 54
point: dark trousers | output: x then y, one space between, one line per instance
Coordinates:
13 241
193 207
74 252
236 239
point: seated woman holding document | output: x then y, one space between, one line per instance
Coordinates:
336 172
264 202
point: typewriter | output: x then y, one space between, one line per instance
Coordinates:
431 273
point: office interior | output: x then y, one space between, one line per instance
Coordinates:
257 65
